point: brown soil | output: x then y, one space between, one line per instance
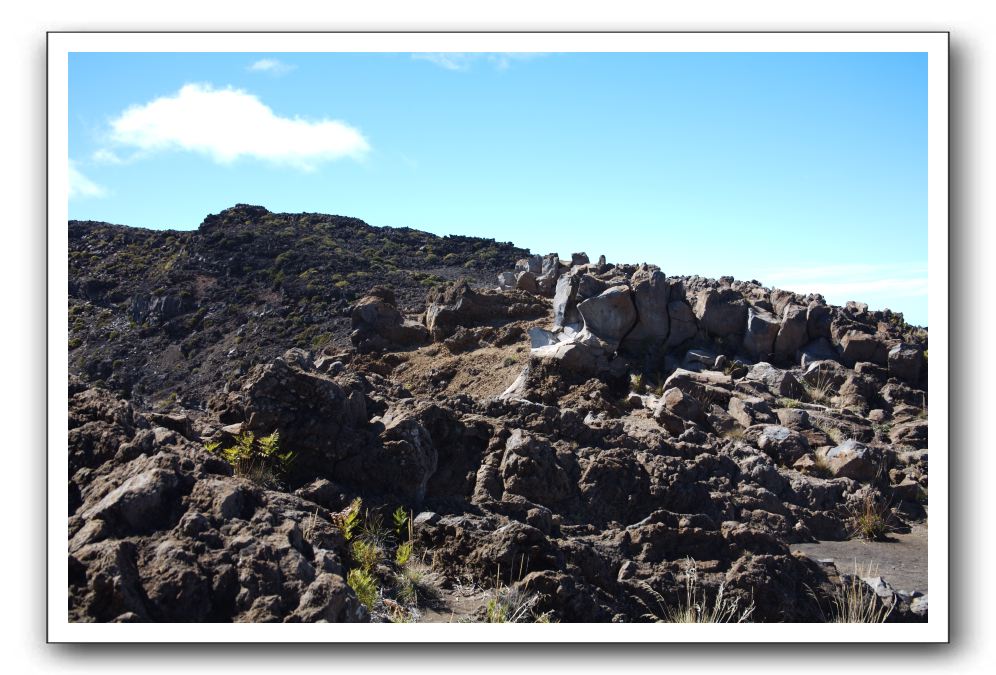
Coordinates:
482 373
456 603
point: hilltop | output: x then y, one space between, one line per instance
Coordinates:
155 314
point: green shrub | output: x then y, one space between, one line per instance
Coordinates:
261 461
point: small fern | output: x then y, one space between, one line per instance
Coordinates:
403 554
351 519
364 585
400 518
270 445
260 461
367 554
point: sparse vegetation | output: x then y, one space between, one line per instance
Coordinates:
366 554
364 585
260 460
400 518
821 391
854 601
386 574
510 605
821 466
871 520
695 607
350 519
735 433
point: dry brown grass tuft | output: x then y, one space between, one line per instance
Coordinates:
695 607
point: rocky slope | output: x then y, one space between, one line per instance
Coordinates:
156 314
585 442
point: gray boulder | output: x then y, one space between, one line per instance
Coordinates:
541 338
912 433
529 468
651 296
779 382
609 315
708 386
819 349
906 362
750 411
571 357
792 333
780 443
546 283
762 329
683 326
855 460
533 263
683 405
526 281
819 319
825 374
565 307
551 265
721 313
377 324
856 346
406 459
793 418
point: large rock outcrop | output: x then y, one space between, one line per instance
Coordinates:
377 324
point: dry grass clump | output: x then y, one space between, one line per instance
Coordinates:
821 391
511 605
854 601
696 608
871 520
821 466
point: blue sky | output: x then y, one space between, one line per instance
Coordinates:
803 171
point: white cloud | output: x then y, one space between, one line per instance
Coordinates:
465 60
271 66
81 186
105 156
229 124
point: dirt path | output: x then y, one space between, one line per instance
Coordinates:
902 562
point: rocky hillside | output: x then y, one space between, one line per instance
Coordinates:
546 440
156 314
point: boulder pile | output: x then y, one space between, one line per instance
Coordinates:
607 309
